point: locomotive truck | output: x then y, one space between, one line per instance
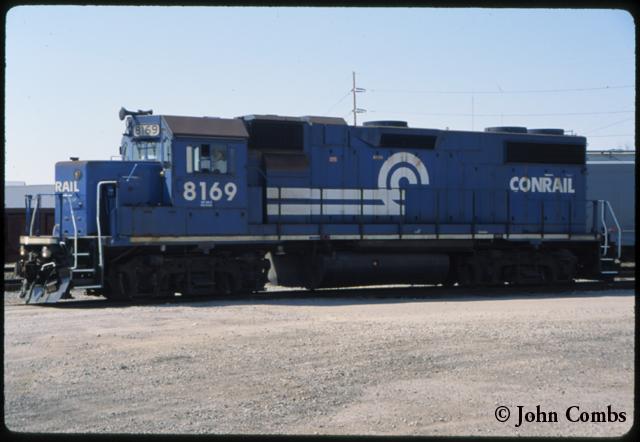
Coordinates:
207 206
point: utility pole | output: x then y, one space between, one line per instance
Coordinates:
353 90
356 110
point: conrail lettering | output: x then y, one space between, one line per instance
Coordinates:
67 186
543 184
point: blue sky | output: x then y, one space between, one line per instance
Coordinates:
70 68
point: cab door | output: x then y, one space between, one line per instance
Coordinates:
210 184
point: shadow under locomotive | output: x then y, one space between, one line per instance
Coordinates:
370 295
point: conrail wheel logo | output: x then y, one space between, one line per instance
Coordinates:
400 166
543 184
411 168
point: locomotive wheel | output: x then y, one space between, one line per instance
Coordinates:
466 275
123 287
122 283
565 265
549 275
468 272
128 283
508 274
224 284
161 286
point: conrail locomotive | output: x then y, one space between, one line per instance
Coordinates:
210 206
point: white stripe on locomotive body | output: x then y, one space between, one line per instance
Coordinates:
381 202
332 194
299 209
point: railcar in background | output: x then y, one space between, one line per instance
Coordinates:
15 223
611 176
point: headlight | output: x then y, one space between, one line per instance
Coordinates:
46 252
23 251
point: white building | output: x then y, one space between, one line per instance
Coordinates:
15 192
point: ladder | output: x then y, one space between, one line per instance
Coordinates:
85 274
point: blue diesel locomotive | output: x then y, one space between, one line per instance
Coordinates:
205 206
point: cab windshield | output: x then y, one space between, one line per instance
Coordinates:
145 150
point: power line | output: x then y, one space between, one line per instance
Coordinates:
609 125
502 91
610 135
338 102
502 114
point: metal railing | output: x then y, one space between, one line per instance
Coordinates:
75 230
33 215
392 202
318 202
35 211
98 199
602 204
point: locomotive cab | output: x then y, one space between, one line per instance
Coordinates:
203 163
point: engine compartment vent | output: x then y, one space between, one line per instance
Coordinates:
386 123
547 131
508 129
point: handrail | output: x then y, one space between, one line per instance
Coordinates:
59 203
38 198
605 205
605 229
27 205
47 264
98 186
33 215
131 173
619 231
75 233
73 220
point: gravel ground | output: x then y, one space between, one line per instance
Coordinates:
347 365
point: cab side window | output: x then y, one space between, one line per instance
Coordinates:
204 165
215 158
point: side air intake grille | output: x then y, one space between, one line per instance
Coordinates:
386 123
544 153
508 129
408 141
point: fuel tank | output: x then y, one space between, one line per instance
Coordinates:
344 269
